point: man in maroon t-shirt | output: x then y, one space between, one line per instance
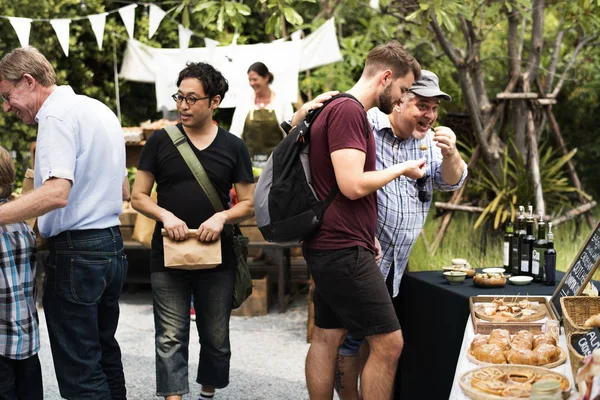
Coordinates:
350 297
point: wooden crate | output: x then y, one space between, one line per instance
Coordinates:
485 327
258 303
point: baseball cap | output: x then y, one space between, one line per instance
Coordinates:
429 86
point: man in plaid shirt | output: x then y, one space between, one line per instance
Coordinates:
402 205
20 370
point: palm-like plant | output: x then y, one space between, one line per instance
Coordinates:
515 185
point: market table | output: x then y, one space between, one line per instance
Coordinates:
464 364
433 315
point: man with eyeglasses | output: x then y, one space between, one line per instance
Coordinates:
183 205
80 181
407 133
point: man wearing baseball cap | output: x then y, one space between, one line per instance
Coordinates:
405 134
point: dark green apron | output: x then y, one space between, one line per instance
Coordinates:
261 134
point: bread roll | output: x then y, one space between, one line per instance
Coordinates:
490 353
522 356
593 321
542 339
546 353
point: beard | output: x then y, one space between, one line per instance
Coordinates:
386 105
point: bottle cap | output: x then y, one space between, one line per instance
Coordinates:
550 235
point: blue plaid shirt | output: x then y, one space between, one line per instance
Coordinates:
400 213
19 333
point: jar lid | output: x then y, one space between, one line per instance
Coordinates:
545 386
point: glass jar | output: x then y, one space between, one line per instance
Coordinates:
553 328
546 390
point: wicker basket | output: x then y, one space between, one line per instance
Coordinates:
575 358
576 310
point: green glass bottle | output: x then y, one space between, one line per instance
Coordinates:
508 234
527 245
515 243
537 254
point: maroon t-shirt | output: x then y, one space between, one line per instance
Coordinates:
346 223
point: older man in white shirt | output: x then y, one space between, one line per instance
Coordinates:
79 187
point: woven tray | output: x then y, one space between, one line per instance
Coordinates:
561 359
476 394
540 313
576 310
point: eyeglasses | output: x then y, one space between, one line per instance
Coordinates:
6 96
424 194
190 100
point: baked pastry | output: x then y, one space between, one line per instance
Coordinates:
478 341
546 353
522 356
490 386
490 353
520 376
542 339
500 333
520 391
593 321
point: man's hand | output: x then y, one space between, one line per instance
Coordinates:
176 228
414 169
446 141
315 103
378 252
211 229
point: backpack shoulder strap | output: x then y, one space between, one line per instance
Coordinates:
181 143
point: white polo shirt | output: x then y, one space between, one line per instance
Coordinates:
80 139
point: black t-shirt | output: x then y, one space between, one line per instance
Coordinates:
226 161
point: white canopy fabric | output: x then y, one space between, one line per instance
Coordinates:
142 63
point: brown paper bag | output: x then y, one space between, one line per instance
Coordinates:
191 253
144 226
32 222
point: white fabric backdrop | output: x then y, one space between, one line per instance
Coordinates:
142 63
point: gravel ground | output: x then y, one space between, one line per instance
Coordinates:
267 359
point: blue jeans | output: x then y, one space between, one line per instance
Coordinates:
85 274
213 292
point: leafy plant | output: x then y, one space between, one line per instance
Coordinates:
516 187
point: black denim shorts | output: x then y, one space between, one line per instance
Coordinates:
350 292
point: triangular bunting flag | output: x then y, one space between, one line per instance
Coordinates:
127 14
156 16
98 22
22 27
210 43
297 35
61 27
184 37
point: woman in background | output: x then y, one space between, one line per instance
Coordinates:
257 120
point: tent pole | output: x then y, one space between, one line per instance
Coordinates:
116 72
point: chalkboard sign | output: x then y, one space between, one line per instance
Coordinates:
581 270
587 343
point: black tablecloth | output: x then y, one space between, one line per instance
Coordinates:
433 315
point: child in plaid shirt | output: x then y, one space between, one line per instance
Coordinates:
20 370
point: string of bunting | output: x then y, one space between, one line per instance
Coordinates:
22 26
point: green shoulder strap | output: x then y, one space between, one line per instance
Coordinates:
181 143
